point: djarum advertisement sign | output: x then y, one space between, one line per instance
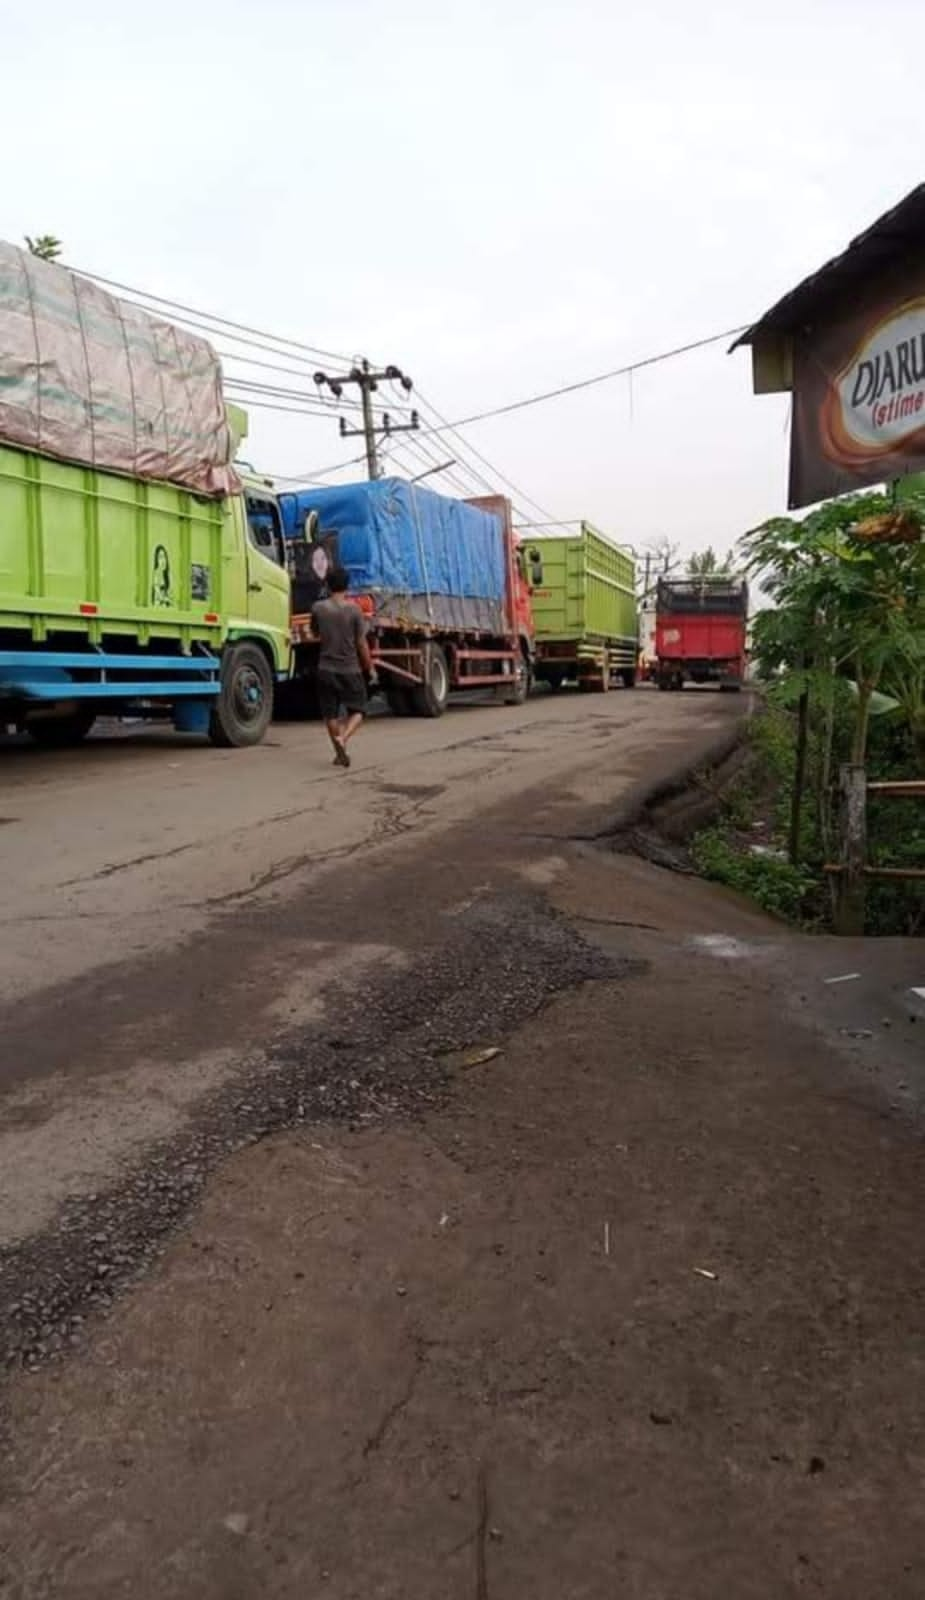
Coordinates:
859 395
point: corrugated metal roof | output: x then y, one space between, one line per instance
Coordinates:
892 235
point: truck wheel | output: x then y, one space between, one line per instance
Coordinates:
430 697
244 707
61 733
629 677
519 692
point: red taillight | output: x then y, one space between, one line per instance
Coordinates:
210 616
87 609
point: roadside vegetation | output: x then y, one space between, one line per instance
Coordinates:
840 652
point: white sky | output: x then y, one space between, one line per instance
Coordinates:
499 198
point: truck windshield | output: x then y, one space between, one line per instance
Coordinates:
265 528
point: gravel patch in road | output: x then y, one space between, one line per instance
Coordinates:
389 1051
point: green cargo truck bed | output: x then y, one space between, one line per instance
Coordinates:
126 596
89 552
584 605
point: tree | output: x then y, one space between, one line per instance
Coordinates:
663 552
45 246
707 564
850 604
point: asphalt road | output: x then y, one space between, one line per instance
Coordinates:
404 1193
167 905
134 841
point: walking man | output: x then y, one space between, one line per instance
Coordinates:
343 664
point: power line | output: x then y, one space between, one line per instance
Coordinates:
496 471
311 473
276 391
587 383
202 326
255 338
225 322
255 361
432 461
274 366
474 489
277 405
427 454
271 398
476 476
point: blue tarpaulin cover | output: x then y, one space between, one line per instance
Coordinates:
422 556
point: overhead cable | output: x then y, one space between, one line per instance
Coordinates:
588 383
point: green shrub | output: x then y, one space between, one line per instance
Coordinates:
773 884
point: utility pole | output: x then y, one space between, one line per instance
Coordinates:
367 380
661 557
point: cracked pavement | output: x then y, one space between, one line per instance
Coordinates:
471 1210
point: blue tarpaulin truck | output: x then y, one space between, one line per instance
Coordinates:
437 579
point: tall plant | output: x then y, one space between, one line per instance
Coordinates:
848 603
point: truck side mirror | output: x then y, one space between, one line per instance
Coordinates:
536 568
310 527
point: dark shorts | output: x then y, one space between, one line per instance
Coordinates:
336 689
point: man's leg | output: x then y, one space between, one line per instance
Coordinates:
355 703
329 698
335 729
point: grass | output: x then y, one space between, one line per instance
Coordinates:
773 884
746 847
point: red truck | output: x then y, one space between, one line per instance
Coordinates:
700 628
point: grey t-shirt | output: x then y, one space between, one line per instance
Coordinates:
340 627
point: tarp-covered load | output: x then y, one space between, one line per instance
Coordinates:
88 378
422 557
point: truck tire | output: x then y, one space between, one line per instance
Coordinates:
244 707
62 733
430 697
519 691
628 675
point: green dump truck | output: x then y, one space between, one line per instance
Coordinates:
140 575
583 593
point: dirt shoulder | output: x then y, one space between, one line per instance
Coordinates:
629 1307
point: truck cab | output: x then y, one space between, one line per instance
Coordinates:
265 604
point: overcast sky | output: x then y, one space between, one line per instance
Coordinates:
501 198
